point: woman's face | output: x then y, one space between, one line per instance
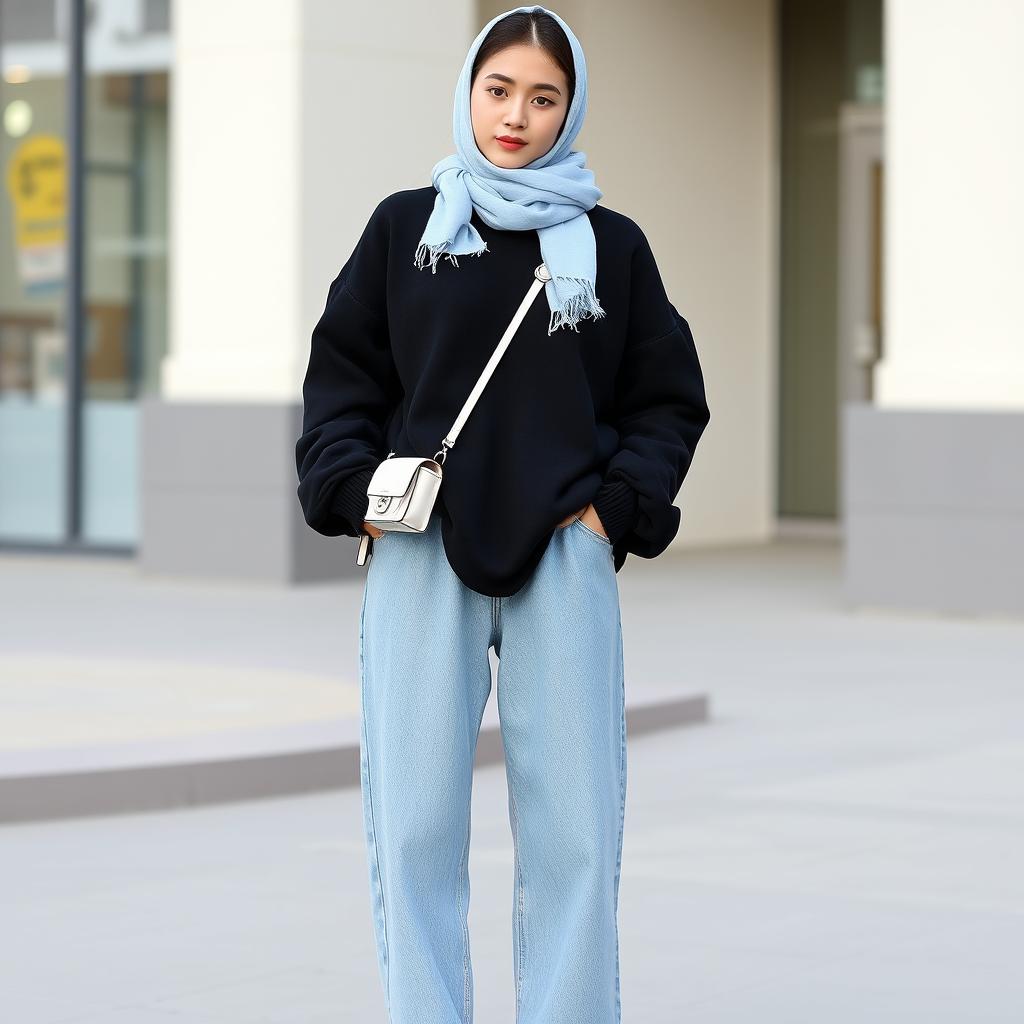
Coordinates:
520 92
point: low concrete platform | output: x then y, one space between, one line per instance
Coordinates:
212 766
124 693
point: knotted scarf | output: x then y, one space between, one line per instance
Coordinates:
550 194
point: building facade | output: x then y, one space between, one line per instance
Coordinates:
831 205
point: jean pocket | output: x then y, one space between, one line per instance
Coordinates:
593 533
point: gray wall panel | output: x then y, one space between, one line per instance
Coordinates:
218 496
934 509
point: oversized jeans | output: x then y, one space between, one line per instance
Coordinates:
426 677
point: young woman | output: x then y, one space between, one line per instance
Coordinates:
569 461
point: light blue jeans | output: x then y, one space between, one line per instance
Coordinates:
423 652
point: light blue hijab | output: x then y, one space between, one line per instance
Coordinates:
550 194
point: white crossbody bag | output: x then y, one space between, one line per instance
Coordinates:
403 490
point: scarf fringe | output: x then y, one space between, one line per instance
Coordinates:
430 255
581 305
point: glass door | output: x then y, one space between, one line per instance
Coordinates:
125 284
87 279
33 271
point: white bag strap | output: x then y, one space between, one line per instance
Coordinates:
541 276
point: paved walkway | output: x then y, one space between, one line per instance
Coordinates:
842 842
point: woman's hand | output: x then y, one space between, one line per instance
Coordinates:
373 531
590 518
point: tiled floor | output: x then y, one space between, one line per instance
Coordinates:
842 844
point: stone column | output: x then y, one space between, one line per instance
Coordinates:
290 122
934 493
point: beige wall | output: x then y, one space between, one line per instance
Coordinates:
680 132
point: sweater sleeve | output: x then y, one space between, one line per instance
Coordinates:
660 411
350 389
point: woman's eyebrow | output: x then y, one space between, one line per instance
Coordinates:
512 81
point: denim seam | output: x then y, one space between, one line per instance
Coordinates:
465 925
622 807
369 800
519 903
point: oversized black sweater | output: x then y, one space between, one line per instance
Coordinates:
609 414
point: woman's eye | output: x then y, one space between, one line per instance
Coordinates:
547 102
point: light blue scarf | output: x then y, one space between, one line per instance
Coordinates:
550 194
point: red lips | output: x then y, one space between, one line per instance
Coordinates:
511 138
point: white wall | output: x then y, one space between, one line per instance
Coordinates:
954 205
235 197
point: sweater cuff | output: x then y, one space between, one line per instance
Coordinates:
351 500
616 505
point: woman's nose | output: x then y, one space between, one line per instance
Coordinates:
516 117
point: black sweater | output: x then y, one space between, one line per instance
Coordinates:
609 414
